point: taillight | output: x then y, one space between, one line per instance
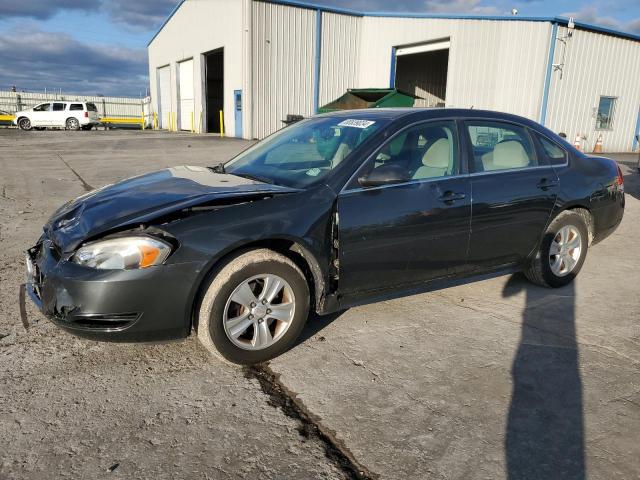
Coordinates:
620 179
86 114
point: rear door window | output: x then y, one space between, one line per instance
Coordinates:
500 146
552 151
59 107
76 106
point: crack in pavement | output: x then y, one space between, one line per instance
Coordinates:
310 426
85 185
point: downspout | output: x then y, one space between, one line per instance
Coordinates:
247 80
318 57
392 71
637 134
547 80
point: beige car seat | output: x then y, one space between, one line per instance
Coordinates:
436 161
506 155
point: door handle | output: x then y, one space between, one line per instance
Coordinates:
450 197
546 184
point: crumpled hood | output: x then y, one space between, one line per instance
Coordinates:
141 199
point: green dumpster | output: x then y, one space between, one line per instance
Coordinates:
356 98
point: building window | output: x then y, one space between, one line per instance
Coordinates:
606 108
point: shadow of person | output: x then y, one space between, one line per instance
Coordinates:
545 430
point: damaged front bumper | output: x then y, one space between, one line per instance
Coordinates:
151 304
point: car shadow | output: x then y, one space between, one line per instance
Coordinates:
631 176
315 324
545 428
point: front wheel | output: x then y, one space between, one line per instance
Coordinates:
562 251
24 123
72 124
254 308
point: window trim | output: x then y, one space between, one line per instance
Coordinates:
462 170
471 155
612 113
463 137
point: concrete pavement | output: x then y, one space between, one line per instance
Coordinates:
494 379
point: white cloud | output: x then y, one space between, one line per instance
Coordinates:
56 60
591 14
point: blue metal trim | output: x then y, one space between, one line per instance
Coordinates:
548 76
599 29
513 18
318 58
344 11
392 71
315 6
635 137
173 12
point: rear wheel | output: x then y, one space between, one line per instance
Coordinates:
24 123
254 308
72 124
562 251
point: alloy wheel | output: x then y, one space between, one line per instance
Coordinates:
259 312
565 250
25 124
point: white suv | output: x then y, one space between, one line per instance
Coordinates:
69 115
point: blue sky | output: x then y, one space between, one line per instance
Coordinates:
99 46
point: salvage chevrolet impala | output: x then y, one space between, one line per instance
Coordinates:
335 211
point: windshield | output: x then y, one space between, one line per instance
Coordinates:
305 152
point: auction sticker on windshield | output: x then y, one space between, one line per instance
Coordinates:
356 123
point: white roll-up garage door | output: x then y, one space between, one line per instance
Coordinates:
185 85
164 87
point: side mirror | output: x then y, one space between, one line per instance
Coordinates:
384 175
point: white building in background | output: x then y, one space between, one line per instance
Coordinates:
259 60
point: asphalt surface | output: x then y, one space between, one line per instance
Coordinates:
493 379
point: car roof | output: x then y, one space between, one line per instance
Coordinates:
417 114
434 112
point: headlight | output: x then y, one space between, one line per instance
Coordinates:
123 253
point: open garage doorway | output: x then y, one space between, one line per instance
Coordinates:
214 86
422 71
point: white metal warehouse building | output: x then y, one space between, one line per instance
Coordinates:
259 60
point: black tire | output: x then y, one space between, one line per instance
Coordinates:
72 124
233 273
24 123
539 270
87 127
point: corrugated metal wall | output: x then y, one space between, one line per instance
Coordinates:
493 64
340 55
196 28
12 102
499 65
283 64
595 64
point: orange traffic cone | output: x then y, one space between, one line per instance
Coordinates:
598 146
578 142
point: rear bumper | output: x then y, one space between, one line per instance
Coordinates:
112 305
607 218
